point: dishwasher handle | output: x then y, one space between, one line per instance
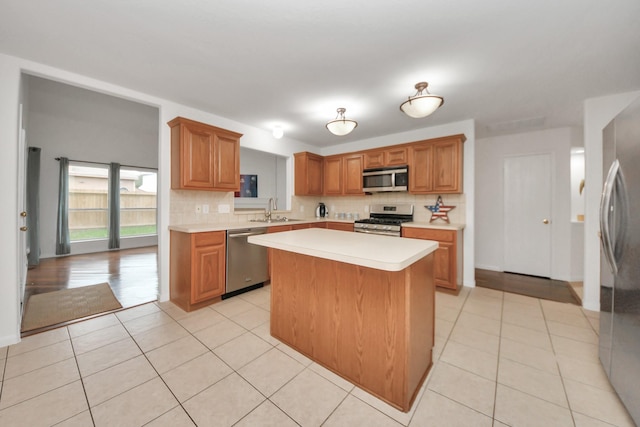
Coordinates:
248 233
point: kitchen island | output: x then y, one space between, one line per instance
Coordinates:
360 305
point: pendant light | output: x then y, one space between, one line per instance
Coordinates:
341 126
422 103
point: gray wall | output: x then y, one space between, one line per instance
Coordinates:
67 121
272 178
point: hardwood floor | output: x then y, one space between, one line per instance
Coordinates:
537 287
132 274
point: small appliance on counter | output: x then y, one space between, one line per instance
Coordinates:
321 210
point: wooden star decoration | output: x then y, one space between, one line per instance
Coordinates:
439 210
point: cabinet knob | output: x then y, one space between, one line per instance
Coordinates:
23 228
23 214
545 221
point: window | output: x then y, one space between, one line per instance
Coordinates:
89 202
138 202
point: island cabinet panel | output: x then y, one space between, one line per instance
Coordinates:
374 328
446 257
204 157
308 174
197 268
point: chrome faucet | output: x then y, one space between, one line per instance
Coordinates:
272 205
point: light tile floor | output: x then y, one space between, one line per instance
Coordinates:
499 360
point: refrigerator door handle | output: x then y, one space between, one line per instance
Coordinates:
605 210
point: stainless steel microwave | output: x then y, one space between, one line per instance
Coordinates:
385 179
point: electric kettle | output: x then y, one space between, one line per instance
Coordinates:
321 210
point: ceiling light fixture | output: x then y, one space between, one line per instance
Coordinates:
422 103
341 126
278 132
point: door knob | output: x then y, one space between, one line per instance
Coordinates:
23 228
545 221
23 214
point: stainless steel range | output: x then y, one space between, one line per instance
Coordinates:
385 219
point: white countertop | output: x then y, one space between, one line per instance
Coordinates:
202 228
436 225
367 250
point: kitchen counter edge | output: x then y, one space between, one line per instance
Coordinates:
203 228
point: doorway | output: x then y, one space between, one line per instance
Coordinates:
527 215
88 126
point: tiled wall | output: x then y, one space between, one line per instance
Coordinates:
183 203
359 204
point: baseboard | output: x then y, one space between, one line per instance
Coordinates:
8 340
489 267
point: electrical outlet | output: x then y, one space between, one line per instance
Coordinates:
224 208
301 208
198 209
205 209
366 208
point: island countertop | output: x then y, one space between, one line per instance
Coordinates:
367 250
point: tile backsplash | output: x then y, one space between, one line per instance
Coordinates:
184 203
360 204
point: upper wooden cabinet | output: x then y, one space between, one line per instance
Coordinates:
343 175
392 156
204 157
435 166
352 168
308 174
333 175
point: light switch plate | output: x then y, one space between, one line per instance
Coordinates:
224 209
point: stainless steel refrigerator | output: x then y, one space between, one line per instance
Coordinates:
620 258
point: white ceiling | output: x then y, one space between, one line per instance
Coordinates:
511 65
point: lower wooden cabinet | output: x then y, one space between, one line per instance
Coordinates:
342 226
197 268
447 263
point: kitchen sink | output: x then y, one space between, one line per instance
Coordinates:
282 219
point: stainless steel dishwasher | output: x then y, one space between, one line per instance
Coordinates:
246 263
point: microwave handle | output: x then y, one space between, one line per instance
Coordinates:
393 180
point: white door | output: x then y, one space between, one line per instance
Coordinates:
527 215
22 217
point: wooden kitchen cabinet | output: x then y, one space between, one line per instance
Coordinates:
308 174
447 263
435 166
197 268
333 175
204 157
342 226
343 175
352 174
393 156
